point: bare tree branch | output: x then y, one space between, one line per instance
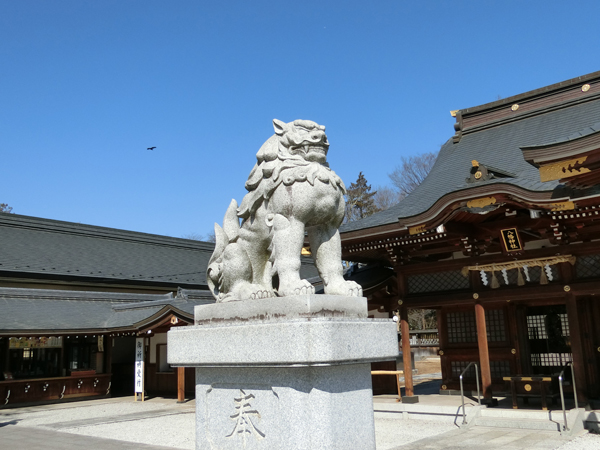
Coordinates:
411 172
5 208
386 197
209 237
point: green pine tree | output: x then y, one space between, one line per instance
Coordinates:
359 200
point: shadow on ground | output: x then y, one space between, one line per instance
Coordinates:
11 422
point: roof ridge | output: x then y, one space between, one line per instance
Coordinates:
539 92
81 295
64 227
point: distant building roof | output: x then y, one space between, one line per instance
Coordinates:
57 311
49 248
42 248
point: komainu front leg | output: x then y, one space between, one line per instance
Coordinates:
326 248
288 237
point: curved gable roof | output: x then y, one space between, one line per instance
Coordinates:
498 146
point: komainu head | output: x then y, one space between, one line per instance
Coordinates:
297 152
300 138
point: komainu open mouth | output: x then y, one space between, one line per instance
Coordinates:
312 152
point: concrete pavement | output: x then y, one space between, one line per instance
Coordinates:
28 438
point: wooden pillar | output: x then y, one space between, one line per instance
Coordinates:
180 384
576 347
515 342
484 355
108 344
443 345
7 357
406 356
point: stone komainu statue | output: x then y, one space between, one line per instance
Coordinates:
291 190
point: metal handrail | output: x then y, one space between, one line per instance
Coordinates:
462 393
562 394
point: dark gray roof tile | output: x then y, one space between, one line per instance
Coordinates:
31 310
500 147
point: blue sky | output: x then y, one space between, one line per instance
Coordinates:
86 86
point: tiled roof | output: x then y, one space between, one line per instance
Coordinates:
52 248
31 310
591 129
46 248
498 146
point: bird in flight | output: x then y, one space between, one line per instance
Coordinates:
150 148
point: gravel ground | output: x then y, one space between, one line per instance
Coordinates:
585 442
164 422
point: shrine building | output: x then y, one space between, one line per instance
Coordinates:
76 299
502 240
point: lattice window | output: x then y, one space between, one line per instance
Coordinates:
462 327
433 282
536 326
550 359
458 366
564 322
494 323
588 266
499 369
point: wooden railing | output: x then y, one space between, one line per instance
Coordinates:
40 389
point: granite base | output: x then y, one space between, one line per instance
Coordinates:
288 373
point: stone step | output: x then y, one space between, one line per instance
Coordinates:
522 414
520 423
445 413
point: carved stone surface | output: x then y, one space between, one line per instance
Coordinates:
290 373
292 408
265 336
291 192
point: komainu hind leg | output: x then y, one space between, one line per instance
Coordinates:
237 276
288 237
326 249
230 272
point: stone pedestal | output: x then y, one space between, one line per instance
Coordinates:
284 373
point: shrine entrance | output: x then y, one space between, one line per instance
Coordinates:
548 338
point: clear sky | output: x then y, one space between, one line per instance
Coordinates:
86 86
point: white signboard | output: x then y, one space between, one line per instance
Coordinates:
139 366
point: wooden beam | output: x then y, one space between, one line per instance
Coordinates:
406 356
484 355
180 384
503 293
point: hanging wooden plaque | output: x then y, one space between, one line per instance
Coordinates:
511 240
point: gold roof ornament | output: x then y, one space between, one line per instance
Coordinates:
563 169
453 112
481 202
417 230
475 163
562 206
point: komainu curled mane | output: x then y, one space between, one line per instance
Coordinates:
291 190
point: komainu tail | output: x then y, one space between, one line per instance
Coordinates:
224 268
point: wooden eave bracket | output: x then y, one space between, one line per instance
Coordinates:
162 317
